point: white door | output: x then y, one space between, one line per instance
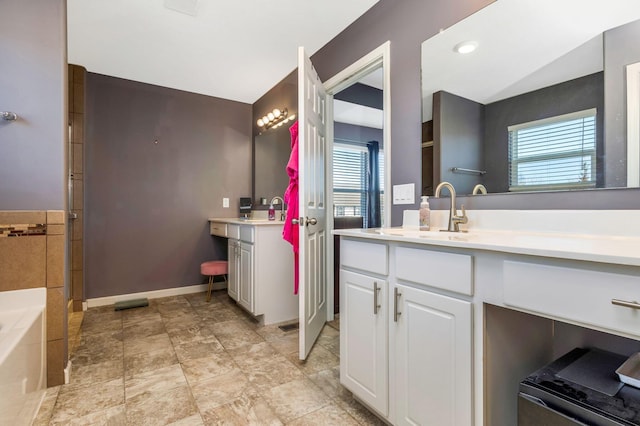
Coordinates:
433 358
312 102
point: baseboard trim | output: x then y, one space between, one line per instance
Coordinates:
155 294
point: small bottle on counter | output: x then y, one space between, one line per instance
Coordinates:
272 212
425 214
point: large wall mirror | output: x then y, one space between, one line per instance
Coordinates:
272 149
540 104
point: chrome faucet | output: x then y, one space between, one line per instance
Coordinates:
479 189
281 206
454 219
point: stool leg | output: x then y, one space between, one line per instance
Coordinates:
210 288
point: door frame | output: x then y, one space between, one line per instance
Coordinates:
381 56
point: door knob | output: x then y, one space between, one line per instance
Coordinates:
295 221
312 221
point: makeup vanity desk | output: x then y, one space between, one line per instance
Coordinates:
260 268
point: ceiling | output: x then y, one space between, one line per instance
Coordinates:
235 50
523 45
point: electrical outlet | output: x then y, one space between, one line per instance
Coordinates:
225 203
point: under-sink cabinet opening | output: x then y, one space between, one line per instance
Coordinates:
516 344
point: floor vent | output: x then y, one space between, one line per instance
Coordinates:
289 327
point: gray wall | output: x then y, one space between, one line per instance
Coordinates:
33 85
621 48
406 24
571 96
147 204
458 131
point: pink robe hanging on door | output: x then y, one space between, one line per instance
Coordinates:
290 232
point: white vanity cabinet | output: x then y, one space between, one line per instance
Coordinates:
260 268
363 338
406 349
431 344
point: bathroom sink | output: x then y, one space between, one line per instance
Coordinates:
416 233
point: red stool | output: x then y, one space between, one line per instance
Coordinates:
213 268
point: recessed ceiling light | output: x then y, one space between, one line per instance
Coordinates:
465 47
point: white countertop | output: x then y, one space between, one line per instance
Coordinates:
238 221
593 248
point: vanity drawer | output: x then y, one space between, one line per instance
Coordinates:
448 271
579 295
218 228
247 234
233 231
370 257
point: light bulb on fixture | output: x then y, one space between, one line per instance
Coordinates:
466 47
292 116
271 117
260 122
276 112
265 120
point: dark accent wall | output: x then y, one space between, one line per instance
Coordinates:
574 95
621 48
361 94
406 24
350 132
147 203
33 74
458 128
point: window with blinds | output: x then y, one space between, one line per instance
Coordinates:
554 153
350 180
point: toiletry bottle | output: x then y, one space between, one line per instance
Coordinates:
425 214
272 212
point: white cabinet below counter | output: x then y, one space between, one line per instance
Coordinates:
260 268
406 351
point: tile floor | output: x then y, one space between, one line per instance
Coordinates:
183 361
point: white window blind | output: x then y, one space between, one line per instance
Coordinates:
350 180
554 153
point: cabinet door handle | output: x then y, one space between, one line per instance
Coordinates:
376 290
396 311
632 305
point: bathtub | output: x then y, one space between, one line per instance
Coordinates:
22 354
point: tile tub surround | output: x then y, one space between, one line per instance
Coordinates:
32 245
184 360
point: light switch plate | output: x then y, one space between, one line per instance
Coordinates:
404 194
225 203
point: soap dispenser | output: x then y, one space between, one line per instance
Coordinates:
272 212
425 214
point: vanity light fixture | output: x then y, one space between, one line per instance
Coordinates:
465 47
274 119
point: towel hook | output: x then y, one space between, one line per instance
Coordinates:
8 115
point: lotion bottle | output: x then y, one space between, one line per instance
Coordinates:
272 212
425 214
